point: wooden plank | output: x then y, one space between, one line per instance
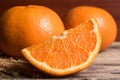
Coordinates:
105 66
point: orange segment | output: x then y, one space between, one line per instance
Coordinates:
71 52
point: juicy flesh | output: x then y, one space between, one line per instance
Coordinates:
68 50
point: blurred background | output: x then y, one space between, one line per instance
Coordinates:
63 6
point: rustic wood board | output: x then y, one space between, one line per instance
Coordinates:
105 66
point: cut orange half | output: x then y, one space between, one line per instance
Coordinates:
69 53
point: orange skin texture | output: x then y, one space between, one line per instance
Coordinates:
106 22
23 26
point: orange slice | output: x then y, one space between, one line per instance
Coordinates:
69 53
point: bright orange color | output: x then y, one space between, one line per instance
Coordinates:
71 52
106 22
23 26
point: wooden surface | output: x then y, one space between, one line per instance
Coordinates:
63 6
106 66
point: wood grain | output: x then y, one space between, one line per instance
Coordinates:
105 67
63 6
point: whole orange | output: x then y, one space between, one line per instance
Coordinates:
106 22
23 26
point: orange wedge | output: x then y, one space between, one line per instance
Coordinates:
69 53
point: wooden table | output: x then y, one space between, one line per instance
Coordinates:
105 66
